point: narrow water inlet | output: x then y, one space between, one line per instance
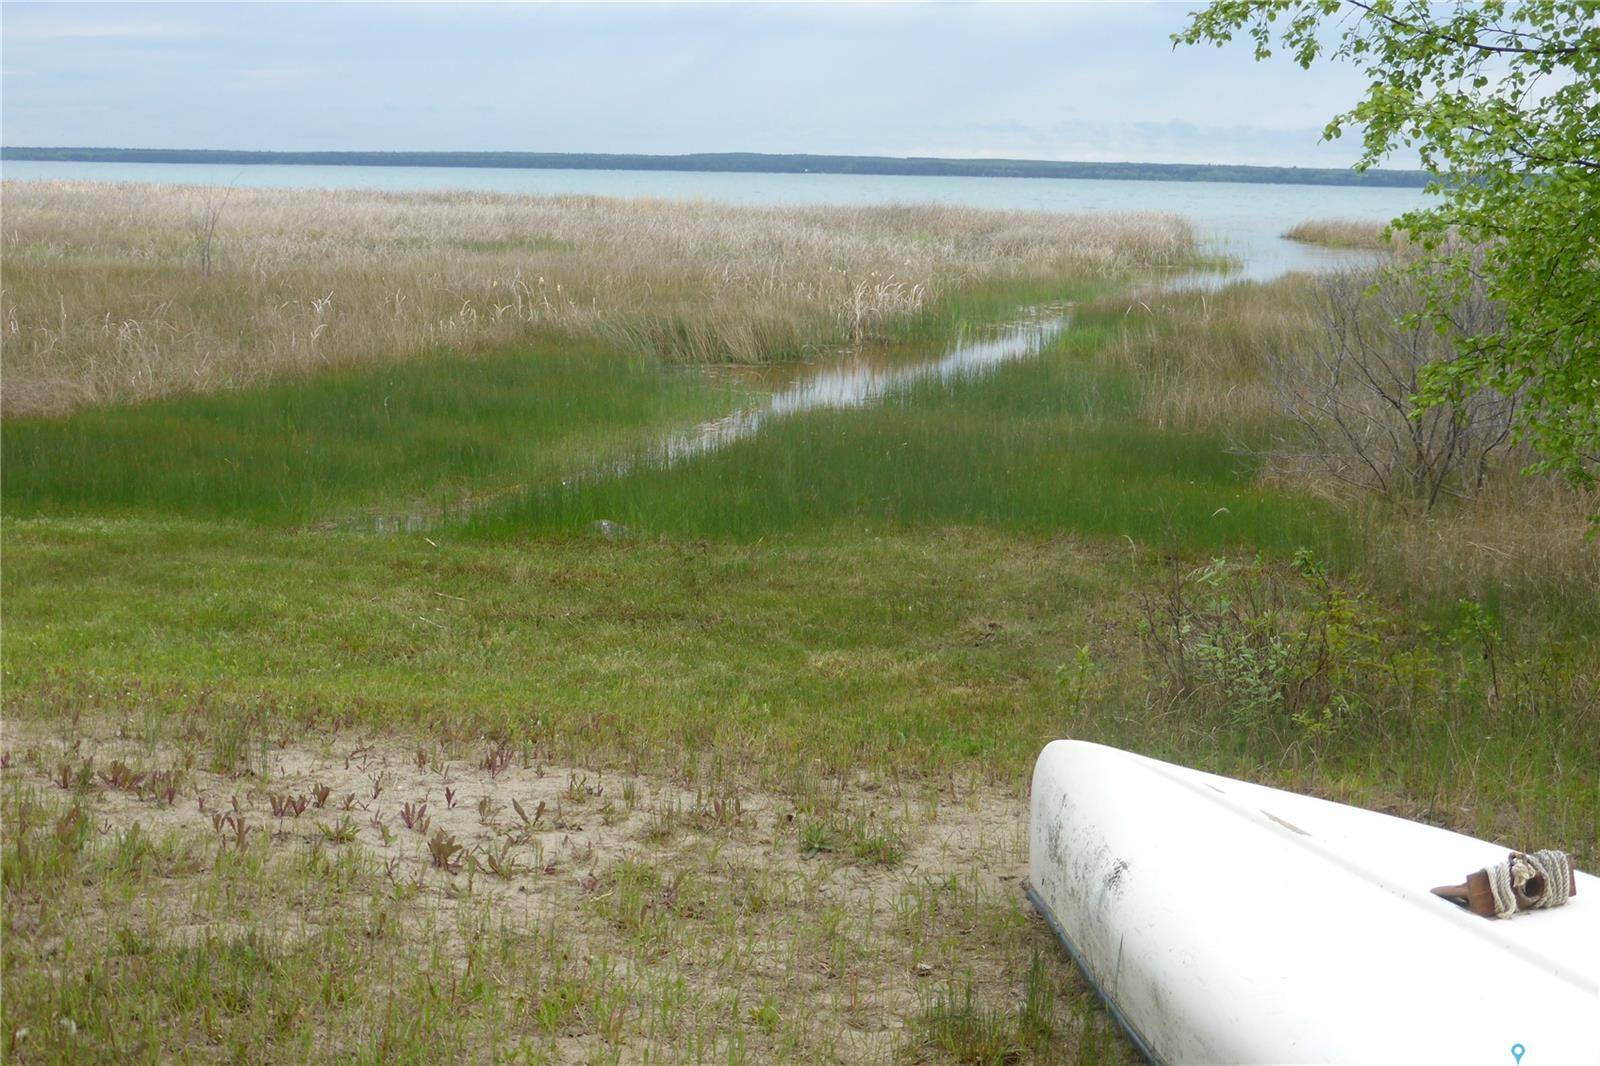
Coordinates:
859 381
855 380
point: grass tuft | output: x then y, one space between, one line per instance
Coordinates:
1343 233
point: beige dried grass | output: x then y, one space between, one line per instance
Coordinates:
1342 233
109 293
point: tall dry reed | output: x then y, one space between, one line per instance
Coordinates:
1342 233
116 292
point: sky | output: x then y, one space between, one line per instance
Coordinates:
1040 81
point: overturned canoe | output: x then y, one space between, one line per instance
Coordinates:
1228 922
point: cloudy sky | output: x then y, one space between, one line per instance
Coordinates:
1063 81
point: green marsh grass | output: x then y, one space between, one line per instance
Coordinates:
1043 445
425 433
429 433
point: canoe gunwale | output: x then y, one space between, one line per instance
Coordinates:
1132 1032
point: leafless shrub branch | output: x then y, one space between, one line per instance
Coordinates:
1351 392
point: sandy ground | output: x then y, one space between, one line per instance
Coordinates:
851 902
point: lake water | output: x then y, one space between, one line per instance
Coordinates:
1242 220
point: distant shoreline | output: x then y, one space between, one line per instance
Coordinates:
739 162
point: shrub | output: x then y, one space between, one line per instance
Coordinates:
1269 646
1352 391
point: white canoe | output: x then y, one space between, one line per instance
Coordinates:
1228 922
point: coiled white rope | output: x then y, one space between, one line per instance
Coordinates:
1509 880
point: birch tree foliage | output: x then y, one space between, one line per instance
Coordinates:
1501 98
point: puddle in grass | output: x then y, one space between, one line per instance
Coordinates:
855 380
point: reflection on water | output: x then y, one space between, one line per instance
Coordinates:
861 380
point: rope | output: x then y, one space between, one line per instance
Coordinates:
1509 881
1505 904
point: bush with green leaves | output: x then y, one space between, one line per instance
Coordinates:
1501 99
1273 647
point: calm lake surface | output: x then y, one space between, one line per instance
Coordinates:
1243 220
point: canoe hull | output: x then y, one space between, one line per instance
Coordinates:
1228 922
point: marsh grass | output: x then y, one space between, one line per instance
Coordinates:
427 439
1343 233
105 299
1204 364
427 434
1048 444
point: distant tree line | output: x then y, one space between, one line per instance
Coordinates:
741 162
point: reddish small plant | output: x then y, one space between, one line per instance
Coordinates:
538 813
350 801
449 798
414 816
231 827
498 758
446 854
72 828
286 806
530 823
561 820
120 777
380 779
319 795
161 786
422 759
501 862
